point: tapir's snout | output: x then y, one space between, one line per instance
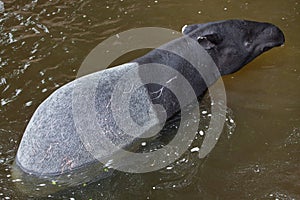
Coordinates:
271 37
234 43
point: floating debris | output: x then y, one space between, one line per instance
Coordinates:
195 149
1 7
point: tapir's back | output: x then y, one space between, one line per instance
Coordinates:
52 142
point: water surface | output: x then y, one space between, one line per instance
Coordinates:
42 44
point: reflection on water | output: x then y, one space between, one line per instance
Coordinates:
44 42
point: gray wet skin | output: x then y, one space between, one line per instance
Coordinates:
51 146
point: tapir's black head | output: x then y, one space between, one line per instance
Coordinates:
234 43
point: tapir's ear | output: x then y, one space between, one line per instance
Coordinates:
209 41
186 29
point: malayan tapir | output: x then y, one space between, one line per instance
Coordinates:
51 146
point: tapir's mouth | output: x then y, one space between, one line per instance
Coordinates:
266 47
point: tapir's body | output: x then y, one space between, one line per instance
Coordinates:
51 145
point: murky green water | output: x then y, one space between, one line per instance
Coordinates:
42 44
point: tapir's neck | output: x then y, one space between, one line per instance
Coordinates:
165 55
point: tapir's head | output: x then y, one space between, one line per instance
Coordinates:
234 43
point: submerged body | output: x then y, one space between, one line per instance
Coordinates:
50 145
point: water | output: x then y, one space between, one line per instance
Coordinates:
44 42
